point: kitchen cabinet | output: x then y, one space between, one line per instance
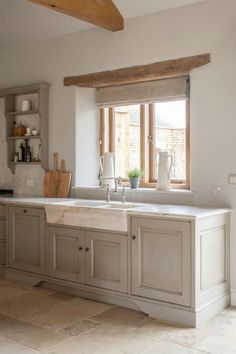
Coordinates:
172 267
65 253
161 260
106 260
26 232
2 235
88 257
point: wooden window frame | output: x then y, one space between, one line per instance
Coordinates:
147 148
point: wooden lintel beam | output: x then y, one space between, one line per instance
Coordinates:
102 13
141 73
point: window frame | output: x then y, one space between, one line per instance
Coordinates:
147 148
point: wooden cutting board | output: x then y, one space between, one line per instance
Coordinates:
64 180
51 179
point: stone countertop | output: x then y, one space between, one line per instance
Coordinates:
32 201
185 211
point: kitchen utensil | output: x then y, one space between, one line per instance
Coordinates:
35 132
28 131
19 131
164 170
64 180
107 167
26 105
51 179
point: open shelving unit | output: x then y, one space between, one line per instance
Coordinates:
37 117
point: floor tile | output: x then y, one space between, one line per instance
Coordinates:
25 305
217 344
10 347
15 329
81 327
64 314
109 339
43 339
120 316
63 297
172 348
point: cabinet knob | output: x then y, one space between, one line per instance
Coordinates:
86 249
134 237
80 248
24 211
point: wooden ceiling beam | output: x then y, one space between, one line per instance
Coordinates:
102 13
140 73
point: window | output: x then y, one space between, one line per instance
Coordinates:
135 132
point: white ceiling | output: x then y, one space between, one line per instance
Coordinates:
23 22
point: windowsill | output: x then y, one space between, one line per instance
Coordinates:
138 190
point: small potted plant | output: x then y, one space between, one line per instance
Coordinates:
134 177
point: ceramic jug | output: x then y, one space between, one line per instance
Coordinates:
164 170
107 168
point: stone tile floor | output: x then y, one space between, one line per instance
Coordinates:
36 320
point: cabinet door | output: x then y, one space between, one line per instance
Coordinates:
65 253
2 229
2 241
161 260
106 260
27 239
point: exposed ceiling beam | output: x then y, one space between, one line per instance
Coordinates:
141 73
102 13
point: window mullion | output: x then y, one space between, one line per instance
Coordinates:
151 143
102 131
142 138
111 130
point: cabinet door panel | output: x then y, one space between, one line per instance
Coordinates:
2 252
2 229
161 260
106 260
27 239
65 253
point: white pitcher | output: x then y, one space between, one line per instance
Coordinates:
164 170
107 167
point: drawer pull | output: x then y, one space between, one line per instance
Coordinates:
86 249
24 211
80 248
134 237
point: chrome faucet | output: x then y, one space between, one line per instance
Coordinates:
116 190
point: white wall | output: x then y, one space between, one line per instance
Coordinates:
207 26
87 147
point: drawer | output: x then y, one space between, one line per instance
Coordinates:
3 230
2 211
2 252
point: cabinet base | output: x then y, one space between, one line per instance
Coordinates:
157 309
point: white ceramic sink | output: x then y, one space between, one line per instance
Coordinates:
90 213
83 203
120 206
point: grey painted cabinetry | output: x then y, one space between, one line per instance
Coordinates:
106 260
26 232
161 260
89 257
65 253
2 235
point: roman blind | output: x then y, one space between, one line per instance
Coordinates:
144 92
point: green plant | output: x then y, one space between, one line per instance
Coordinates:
135 172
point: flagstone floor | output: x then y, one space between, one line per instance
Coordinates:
36 320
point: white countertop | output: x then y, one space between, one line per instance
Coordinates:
190 212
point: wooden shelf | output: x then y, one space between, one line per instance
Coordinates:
21 113
25 163
12 99
23 137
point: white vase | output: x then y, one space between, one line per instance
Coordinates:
164 170
107 166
